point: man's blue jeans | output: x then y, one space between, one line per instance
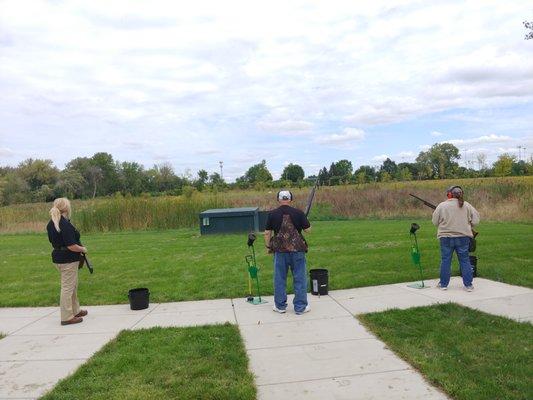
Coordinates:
460 245
296 262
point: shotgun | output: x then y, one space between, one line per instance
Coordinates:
427 203
85 260
310 198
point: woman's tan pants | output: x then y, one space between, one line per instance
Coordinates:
69 287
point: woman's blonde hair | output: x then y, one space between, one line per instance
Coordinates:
61 207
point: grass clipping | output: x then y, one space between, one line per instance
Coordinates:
469 354
207 362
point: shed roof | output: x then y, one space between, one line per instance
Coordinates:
225 211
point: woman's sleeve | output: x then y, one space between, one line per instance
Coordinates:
436 216
474 216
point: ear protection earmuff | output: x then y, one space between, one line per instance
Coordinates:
450 190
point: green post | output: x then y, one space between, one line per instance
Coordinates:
415 256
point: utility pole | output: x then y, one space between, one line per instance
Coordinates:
221 163
519 153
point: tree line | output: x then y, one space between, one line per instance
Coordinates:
36 180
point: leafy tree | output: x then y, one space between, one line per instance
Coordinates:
257 173
132 178
161 178
5 170
110 182
404 174
481 161
70 184
293 173
360 177
82 165
44 193
384 176
94 176
203 176
504 165
344 168
15 189
389 166
323 176
216 181
529 25
365 173
340 172
439 162
37 173
520 168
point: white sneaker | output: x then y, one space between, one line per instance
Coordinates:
278 310
469 288
442 287
306 309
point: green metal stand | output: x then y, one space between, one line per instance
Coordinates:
253 271
415 256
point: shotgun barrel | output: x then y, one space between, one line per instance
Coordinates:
310 198
427 203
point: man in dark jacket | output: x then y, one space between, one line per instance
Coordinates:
283 237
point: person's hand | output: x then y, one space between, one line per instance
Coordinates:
83 249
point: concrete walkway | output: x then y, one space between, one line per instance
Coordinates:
323 354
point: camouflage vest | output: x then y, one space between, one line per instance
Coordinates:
288 239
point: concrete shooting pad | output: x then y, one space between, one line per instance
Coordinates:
325 353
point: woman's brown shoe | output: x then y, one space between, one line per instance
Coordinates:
82 313
74 320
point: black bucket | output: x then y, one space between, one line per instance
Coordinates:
139 298
319 281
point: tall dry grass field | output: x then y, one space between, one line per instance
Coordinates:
497 199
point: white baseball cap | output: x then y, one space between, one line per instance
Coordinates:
284 195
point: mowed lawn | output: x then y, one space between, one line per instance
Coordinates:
206 362
469 354
182 265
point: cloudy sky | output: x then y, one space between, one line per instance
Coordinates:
195 83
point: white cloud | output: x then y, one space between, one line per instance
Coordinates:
286 127
481 139
435 133
208 151
380 158
349 136
5 152
406 154
233 71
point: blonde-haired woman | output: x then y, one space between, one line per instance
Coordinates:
65 240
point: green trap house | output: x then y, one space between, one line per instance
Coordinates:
232 220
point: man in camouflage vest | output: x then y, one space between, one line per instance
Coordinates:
283 237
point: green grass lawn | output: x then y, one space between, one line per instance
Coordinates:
182 265
207 362
469 354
